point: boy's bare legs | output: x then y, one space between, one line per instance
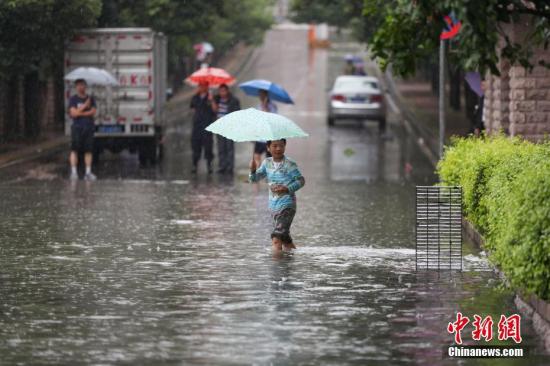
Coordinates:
287 247
276 244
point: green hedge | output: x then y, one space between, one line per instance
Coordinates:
506 186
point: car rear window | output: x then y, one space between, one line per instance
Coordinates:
350 83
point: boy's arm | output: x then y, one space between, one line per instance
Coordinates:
258 174
298 180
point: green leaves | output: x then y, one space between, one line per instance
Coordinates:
220 22
506 185
33 32
409 30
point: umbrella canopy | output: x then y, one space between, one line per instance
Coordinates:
93 76
254 125
207 47
474 81
276 92
211 76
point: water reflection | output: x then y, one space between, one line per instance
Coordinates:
164 268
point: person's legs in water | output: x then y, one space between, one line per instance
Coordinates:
221 154
73 161
287 247
230 160
88 162
88 147
76 146
276 244
281 228
208 141
196 146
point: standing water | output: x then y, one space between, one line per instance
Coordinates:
164 268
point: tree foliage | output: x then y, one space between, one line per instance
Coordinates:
408 31
333 12
220 22
506 186
33 32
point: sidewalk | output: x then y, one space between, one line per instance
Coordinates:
17 152
419 105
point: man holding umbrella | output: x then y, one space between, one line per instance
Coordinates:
225 103
82 109
267 91
203 116
205 108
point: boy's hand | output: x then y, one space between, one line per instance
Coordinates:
279 188
253 165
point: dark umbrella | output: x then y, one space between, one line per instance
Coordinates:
474 81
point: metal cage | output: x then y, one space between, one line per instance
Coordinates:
438 228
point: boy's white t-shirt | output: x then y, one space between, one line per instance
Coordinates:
277 164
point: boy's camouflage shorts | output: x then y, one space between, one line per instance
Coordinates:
281 224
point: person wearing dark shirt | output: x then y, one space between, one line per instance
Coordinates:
225 103
203 116
82 109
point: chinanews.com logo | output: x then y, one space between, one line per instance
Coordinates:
508 328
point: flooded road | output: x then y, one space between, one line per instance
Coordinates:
157 267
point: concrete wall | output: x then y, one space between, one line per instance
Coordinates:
518 101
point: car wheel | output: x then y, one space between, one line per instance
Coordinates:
330 121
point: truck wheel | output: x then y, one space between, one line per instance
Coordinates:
147 152
330 121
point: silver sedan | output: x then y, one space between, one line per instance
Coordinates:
357 97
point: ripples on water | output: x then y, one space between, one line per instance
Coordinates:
126 272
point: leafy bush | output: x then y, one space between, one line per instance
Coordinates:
506 186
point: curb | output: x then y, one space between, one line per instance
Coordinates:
532 308
410 120
45 148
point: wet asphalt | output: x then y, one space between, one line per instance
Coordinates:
154 265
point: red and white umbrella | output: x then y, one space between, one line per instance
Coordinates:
213 76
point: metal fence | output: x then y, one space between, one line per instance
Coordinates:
438 228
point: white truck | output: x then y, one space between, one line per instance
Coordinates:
130 115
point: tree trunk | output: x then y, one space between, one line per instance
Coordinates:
32 105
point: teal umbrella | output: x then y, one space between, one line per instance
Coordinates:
254 125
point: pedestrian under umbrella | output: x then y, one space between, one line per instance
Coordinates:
212 76
268 92
275 91
222 104
203 116
281 172
266 105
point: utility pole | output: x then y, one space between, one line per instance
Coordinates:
441 96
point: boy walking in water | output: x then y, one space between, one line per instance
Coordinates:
284 180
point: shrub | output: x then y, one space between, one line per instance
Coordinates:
506 186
